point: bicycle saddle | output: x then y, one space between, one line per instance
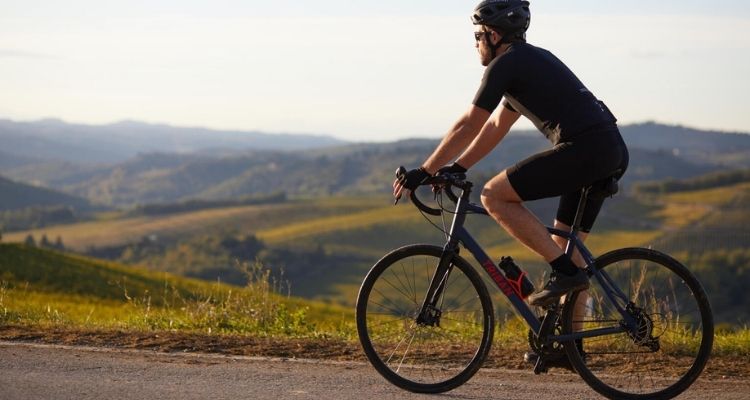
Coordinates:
606 187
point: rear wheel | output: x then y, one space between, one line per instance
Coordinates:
673 334
416 356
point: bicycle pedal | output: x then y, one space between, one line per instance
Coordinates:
540 367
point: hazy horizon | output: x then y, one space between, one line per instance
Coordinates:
527 129
354 70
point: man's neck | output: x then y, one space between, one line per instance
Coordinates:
502 49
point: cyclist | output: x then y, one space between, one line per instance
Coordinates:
586 143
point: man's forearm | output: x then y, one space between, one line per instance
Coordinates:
457 139
490 135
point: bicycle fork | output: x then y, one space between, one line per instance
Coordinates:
430 313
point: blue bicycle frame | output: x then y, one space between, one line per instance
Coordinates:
459 235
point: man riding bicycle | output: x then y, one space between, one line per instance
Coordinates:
587 146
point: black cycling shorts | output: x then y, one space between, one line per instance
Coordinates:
567 168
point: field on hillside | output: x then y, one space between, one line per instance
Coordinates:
115 231
323 247
351 232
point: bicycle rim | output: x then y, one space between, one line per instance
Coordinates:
426 358
671 346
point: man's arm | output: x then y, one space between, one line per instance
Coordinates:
491 134
461 135
463 132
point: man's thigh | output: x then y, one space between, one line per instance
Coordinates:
560 170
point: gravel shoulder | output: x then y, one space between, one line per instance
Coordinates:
70 364
726 367
43 371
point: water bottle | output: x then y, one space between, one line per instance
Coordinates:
518 278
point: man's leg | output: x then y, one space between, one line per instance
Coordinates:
562 242
504 204
579 312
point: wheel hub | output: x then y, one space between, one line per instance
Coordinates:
430 316
643 329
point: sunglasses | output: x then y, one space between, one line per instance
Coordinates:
478 35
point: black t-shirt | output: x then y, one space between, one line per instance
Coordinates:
539 86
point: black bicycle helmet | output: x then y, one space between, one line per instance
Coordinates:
512 17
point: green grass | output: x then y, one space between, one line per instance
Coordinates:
732 342
43 287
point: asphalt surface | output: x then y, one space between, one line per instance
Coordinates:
33 371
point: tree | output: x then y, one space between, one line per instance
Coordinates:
44 243
59 244
30 241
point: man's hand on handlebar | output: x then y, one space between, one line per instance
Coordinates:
454 168
411 180
408 180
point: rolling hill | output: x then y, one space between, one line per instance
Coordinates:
657 152
17 195
40 287
324 246
49 271
53 139
728 149
333 217
25 206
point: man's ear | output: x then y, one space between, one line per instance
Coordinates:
496 37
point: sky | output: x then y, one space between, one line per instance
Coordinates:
357 70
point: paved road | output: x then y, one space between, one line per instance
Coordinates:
29 371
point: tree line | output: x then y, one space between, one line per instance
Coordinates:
709 181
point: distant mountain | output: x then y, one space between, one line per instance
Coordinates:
10 160
693 145
354 169
53 139
657 152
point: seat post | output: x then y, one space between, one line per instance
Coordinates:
581 206
577 220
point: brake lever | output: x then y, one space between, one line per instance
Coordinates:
400 174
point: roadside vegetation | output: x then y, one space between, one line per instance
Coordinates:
41 288
52 297
44 288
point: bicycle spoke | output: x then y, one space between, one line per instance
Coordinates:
668 331
393 306
401 286
398 290
450 335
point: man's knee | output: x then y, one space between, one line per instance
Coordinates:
490 196
499 188
498 193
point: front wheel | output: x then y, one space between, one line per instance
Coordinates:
670 338
424 357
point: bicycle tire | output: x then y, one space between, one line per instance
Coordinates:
436 358
675 336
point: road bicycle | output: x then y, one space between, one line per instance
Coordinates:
643 330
